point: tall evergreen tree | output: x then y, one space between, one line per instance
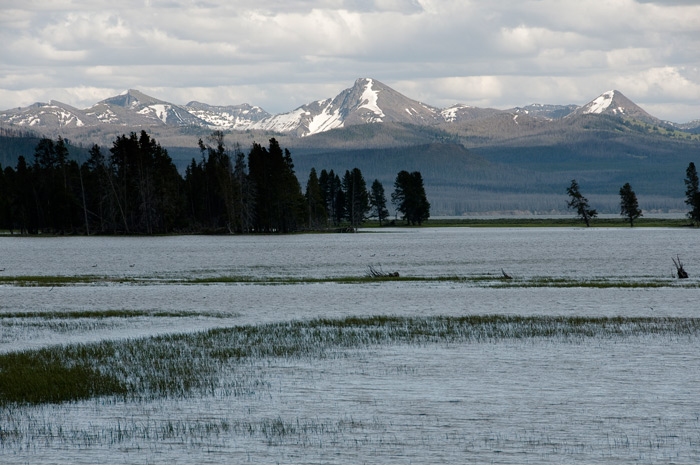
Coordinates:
356 197
579 203
95 189
409 197
279 203
317 216
244 196
377 200
56 201
5 210
629 206
147 185
25 211
692 193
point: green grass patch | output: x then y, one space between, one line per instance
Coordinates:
57 281
191 364
50 376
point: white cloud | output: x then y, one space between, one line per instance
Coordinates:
281 54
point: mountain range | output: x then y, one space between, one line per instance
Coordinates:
367 101
473 159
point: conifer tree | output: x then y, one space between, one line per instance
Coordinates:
317 215
579 203
629 206
356 197
409 197
279 204
692 193
377 200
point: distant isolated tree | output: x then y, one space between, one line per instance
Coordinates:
629 206
579 203
692 193
377 200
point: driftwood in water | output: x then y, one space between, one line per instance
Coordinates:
682 274
506 275
379 273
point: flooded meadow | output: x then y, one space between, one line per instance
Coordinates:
493 345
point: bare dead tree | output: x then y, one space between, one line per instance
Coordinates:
682 274
379 273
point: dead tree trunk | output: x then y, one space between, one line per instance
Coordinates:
682 274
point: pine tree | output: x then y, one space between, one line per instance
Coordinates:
579 203
356 197
317 216
409 197
147 187
629 206
692 193
377 200
245 198
279 203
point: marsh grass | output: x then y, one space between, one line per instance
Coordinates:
483 280
181 365
100 314
496 280
58 281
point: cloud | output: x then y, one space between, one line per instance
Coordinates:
281 54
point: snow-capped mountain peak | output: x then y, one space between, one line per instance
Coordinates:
367 101
602 103
613 102
134 108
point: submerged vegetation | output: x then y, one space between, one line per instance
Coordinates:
196 364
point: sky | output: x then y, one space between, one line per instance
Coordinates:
281 54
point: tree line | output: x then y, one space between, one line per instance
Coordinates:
135 188
629 205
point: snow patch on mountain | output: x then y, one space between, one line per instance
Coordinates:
602 103
327 120
286 122
106 116
450 114
160 111
370 98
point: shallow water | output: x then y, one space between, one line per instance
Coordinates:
630 254
525 252
508 402
617 400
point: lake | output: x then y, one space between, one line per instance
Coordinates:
626 399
